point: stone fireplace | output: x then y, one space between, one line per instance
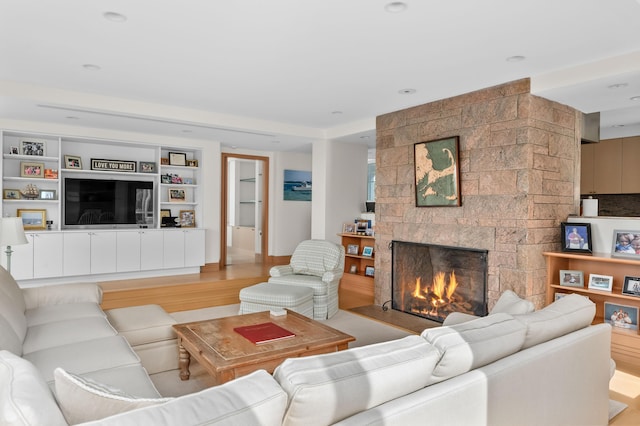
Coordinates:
519 167
431 281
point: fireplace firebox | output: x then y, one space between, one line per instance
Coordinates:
431 281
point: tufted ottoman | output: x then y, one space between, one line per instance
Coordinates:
149 331
267 296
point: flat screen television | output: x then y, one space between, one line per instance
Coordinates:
107 203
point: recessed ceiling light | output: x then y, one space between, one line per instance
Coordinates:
336 112
407 91
396 7
635 98
516 58
91 67
114 17
617 86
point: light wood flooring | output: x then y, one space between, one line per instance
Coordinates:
196 291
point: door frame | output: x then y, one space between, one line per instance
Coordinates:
264 240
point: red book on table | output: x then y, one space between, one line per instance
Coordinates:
263 333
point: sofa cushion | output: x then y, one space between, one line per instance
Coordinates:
52 313
315 257
132 379
25 398
142 324
61 294
75 394
474 344
9 289
254 399
60 333
324 389
14 316
510 303
563 316
8 339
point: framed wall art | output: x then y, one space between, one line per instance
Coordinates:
33 219
626 244
33 147
177 158
187 218
576 237
437 175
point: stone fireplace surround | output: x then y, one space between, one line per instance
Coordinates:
519 177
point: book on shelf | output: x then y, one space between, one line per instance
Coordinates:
263 333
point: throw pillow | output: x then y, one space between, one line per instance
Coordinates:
510 303
75 394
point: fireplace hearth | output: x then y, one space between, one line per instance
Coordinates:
431 281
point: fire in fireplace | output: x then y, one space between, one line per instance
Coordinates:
431 281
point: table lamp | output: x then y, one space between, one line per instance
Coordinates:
11 234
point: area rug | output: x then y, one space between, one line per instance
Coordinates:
615 408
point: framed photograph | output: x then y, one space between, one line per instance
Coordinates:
348 228
51 173
576 237
600 282
164 161
187 218
11 194
72 162
147 167
31 170
177 158
176 195
437 175
621 316
47 194
571 278
353 249
33 219
353 269
369 271
631 286
165 213
33 147
187 181
626 244
14 150
367 251
165 178
558 296
361 226
192 163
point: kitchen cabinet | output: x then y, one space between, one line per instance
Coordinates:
609 167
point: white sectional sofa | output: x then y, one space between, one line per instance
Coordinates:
63 364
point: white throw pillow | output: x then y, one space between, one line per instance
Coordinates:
510 303
83 400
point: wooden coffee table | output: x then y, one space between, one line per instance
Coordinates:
225 354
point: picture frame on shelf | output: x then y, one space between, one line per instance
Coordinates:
621 316
147 167
558 296
576 237
31 170
187 181
47 194
11 194
437 174
72 162
178 158
192 163
353 249
571 278
165 179
187 218
33 218
626 244
361 226
33 147
631 286
14 150
600 282
164 161
353 269
51 173
369 271
348 228
165 213
177 195
367 251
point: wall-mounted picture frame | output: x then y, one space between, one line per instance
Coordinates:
187 218
165 213
31 170
47 194
177 195
571 278
369 271
353 249
297 185
33 147
367 251
72 162
147 167
178 158
631 286
626 244
33 218
576 237
348 228
621 316
600 282
11 194
437 175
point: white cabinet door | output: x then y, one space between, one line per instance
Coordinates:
128 251
103 252
151 249
47 255
173 256
193 247
76 253
21 260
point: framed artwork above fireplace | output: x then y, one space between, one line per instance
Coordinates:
437 176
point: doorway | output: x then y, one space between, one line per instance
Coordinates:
244 209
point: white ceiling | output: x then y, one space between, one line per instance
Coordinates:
276 75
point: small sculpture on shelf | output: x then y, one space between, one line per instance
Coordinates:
30 192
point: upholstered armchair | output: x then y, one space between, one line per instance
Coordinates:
318 264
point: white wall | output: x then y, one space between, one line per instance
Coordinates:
602 229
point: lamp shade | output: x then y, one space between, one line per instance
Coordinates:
12 232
